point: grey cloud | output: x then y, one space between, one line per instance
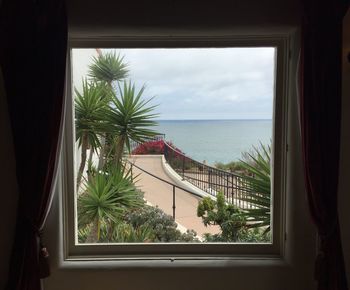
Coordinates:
206 83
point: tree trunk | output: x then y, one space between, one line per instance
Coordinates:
94 234
119 149
90 163
84 147
101 159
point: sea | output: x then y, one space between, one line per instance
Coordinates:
216 140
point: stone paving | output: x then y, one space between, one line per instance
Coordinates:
159 193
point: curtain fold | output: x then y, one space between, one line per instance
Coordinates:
320 111
33 58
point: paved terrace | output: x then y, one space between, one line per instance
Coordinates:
159 193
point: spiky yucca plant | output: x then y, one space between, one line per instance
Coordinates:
108 195
126 233
131 119
90 108
108 67
258 184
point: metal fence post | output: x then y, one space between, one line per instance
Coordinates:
183 167
174 206
209 178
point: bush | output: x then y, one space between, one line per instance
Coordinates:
253 235
232 221
126 233
244 235
150 147
217 212
162 225
233 166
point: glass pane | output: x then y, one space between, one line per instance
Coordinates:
173 145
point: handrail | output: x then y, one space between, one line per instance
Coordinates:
161 179
207 178
211 167
168 182
157 137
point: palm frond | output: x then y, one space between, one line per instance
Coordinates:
108 68
108 196
258 186
130 117
90 109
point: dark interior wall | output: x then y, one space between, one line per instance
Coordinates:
108 16
344 183
8 188
149 18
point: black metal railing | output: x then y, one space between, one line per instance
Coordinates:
209 179
174 186
135 144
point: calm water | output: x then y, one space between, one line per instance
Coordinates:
216 140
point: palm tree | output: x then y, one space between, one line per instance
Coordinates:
107 68
90 107
131 119
107 197
258 183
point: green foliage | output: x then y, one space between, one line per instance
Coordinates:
234 223
227 216
253 235
105 124
130 118
233 166
126 233
244 235
162 225
108 67
83 233
107 197
139 225
258 185
90 108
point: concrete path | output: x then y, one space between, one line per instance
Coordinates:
160 194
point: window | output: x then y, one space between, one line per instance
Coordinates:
280 46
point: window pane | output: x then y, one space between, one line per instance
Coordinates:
173 145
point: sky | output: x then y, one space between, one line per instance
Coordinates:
205 83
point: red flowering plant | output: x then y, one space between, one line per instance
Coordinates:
174 155
149 147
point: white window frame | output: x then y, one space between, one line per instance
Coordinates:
72 251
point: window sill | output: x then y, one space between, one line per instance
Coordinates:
78 263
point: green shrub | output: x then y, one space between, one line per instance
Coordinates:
217 212
233 166
83 233
162 225
126 233
253 235
243 235
107 197
234 223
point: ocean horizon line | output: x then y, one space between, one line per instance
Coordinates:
260 119
201 138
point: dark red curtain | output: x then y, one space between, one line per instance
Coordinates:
320 109
33 47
